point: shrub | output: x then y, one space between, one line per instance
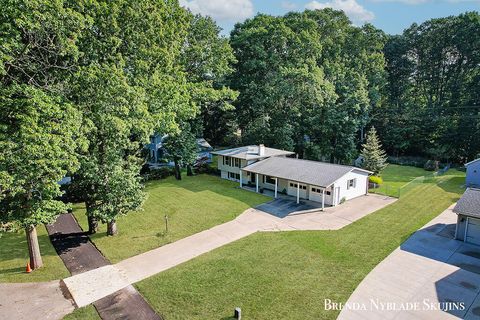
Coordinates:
206 168
159 173
431 165
376 179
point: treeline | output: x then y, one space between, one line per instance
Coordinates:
432 96
312 82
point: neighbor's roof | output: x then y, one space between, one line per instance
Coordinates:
201 142
304 171
251 152
469 203
471 162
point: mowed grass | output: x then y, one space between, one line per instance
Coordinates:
192 205
288 275
86 313
395 177
14 258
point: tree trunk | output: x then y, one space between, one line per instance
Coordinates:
92 225
178 173
189 171
112 228
33 247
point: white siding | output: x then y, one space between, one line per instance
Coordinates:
358 190
473 175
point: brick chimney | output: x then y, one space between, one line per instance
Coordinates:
261 150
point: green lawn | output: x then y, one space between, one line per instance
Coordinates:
89 312
193 204
14 257
288 275
395 176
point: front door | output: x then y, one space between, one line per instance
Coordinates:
337 195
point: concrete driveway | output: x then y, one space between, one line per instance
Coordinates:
307 215
431 274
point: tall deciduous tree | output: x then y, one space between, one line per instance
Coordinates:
374 157
132 52
208 59
37 139
38 127
116 123
181 148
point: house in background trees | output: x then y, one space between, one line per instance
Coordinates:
157 157
271 169
473 173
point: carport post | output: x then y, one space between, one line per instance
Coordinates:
323 199
298 192
240 178
276 187
256 181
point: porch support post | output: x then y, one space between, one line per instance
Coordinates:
466 229
323 199
298 192
256 181
240 178
276 187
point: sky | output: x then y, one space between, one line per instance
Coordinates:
392 16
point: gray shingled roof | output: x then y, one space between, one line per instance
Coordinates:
251 152
304 171
469 203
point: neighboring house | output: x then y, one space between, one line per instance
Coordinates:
157 156
329 184
468 220
473 173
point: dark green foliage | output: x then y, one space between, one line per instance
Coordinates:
433 98
307 82
374 157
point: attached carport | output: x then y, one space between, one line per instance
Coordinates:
468 217
311 180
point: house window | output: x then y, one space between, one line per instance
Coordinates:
351 183
236 162
302 186
227 161
235 176
268 179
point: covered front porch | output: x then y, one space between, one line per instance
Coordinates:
277 187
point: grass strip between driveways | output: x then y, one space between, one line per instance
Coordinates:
288 275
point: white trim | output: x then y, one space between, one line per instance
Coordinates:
298 192
473 161
323 199
276 187
240 179
256 181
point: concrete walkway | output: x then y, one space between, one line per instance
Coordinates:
430 273
93 285
39 300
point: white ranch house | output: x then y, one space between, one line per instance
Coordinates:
267 168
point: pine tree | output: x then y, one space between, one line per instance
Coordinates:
374 157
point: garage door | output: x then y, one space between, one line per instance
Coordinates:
292 190
315 194
473 231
